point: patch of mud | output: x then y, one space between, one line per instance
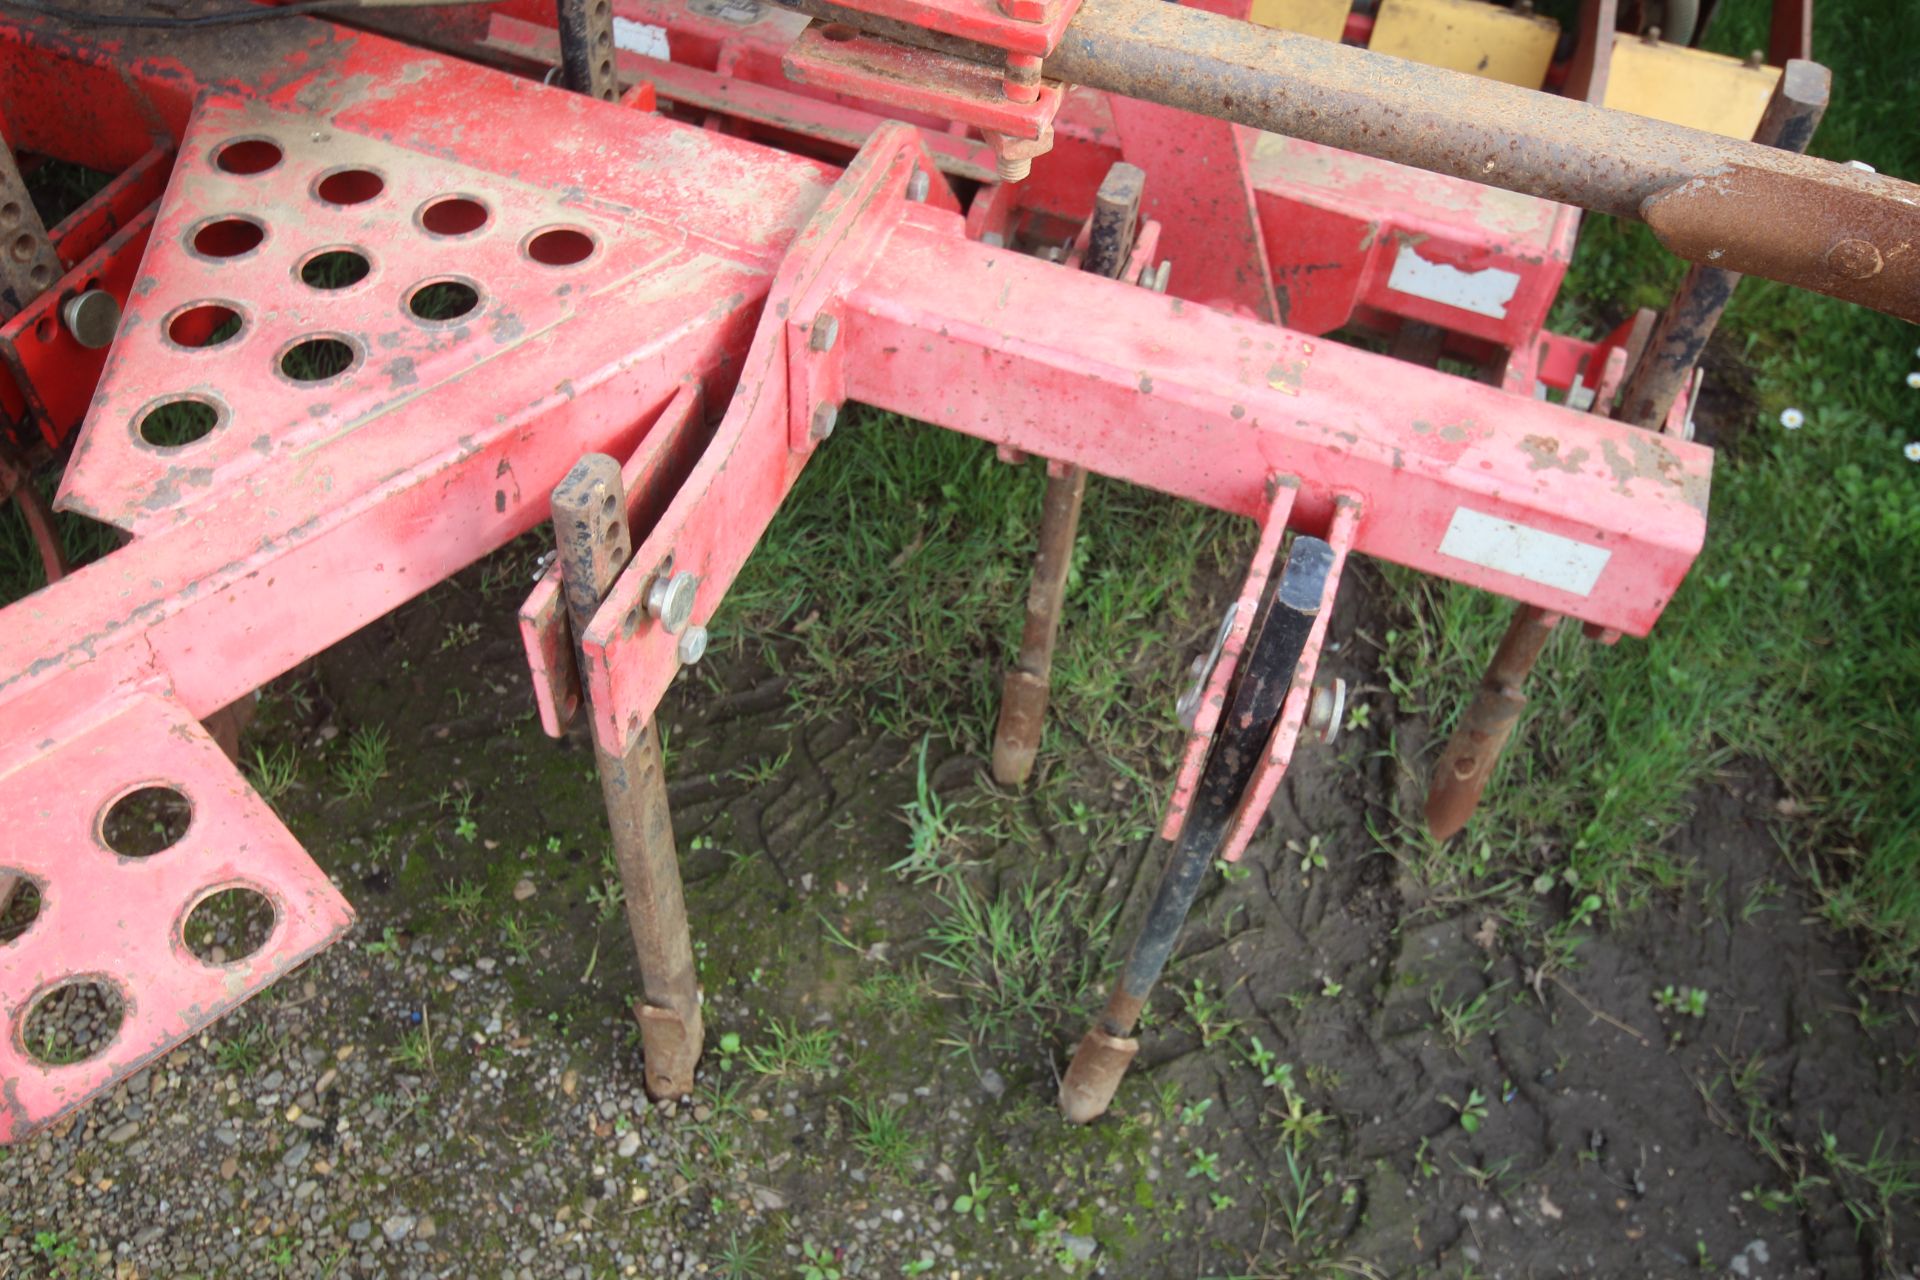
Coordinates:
494 1094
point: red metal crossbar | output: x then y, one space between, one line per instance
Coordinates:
622 268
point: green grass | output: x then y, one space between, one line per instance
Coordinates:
789 1051
81 541
1022 956
364 763
893 581
883 1133
1791 643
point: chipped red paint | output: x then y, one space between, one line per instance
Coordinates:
688 263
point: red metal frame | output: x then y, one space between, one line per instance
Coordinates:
762 280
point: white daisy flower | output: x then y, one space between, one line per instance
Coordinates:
1913 379
1912 451
1792 419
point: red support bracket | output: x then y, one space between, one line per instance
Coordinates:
838 58
650 477
758 449
1018 26
1293 713
1214 671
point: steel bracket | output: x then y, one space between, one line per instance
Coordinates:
759 447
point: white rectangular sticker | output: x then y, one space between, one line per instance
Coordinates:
642 38
1549 559
1485 292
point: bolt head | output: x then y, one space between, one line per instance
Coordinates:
825 332
825 418
91 317
692 646
670 600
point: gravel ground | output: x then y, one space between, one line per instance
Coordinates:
306 1151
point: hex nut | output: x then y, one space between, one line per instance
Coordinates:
692 646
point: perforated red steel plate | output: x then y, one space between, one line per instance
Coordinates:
286 247
118 922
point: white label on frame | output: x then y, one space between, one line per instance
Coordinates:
1565 564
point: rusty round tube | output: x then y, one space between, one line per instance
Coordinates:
1737 204
1466 763
1680 339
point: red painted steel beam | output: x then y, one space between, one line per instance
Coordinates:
1207 406
1582 515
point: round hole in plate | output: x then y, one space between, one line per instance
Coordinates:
22 247
203 324
335 269
227 237
838 32
560 247
146 820
349 186
228 924
43 328
21 905
316 359
453 216
442 300
178 421
248 155
10 213
72 1021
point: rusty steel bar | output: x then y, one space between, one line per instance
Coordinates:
586 48
28 264
1023 699
589 521
1461 773
1735 204
1668 361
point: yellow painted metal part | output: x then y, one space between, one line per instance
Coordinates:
1468 35
1324 18
1688 86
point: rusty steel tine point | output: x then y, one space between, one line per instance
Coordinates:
1657 377
1663 365
1460 775
1266 675
1023 699
590 524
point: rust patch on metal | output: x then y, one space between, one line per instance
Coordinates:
1545 452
